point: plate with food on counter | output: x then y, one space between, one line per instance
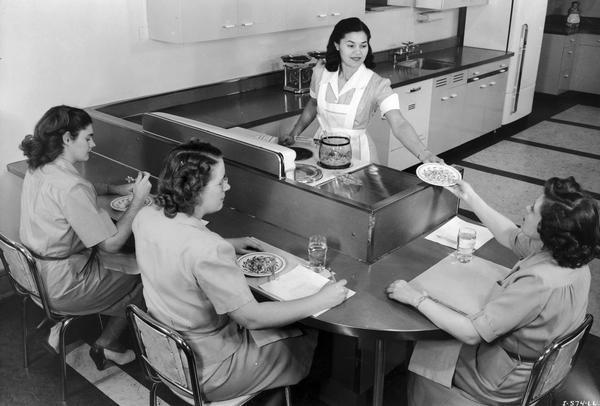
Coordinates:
121 203
438 174
261 264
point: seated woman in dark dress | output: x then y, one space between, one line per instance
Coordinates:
543 297
193 284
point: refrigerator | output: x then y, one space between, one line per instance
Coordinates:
516 26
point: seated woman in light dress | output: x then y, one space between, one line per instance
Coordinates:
70 236
543 297
193 284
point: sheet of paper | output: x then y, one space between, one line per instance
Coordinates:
462 287
447 233
298 283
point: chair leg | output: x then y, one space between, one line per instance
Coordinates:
25 334
153 394
63 359
288 396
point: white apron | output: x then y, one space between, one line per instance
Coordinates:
339 118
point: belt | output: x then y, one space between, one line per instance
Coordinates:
521 358
86 268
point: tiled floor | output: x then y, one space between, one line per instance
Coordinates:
563 138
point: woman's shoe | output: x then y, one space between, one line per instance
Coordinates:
103 356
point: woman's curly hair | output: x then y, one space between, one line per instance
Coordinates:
570 224
187 169
343 27
46 143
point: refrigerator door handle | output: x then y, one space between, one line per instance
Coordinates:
520 64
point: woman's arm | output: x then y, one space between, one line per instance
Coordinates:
406 134
308 115
258 315
499 225
141 189
456 324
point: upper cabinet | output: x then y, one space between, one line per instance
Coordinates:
446 4
182 21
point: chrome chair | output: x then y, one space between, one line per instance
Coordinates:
22 271
552 367
167 359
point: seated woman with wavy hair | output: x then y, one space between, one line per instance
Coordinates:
543 297
193 284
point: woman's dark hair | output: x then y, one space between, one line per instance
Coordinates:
187 169
46 143
343 27
570 224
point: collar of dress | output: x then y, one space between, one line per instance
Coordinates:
66 165
352 83
185 219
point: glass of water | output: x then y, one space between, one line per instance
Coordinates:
466 244
317 252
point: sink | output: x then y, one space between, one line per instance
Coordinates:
425 64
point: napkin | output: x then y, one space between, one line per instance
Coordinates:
298 283
447 233
436 360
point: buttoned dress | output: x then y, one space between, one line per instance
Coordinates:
60 219
348 110
536 302
191 282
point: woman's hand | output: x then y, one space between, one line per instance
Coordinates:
429 157
463 191
332 294
141 188
244 245
287 140
402 292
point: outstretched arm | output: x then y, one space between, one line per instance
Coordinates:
406 134
308 115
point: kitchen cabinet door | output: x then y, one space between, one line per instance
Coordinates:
260 16
556 60
415 104
447 122
585 75
315 13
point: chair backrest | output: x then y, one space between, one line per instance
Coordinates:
165 355
22 271
553 366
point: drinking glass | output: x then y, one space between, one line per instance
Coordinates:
466 244
317 252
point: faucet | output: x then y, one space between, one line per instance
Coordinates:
408 51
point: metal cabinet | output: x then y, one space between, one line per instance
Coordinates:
315 13
556 60
446 123
585 75
415 105
484 101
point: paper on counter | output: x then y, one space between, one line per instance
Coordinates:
447 233
298 283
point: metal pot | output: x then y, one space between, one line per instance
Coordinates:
335 152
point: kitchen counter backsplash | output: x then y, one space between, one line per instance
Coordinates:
557 24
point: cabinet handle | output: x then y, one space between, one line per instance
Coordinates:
453 95
227 26
503 65
475 73
474 79
569 52
445 98
492 83
336 14
572 40
415 89
248 24
565 76
321 15
482 86
503 70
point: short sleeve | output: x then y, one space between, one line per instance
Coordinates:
91 224
317 74
522 245
512 307
385 97
222 280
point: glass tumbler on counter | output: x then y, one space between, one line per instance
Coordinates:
466 244
317 252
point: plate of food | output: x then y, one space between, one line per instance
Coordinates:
121 203
260 263
438 174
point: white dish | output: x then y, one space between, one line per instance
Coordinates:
260 263
438 174
121 203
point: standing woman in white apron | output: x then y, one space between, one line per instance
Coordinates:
345 93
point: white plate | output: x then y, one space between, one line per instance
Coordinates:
121 203
438 174
251 262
